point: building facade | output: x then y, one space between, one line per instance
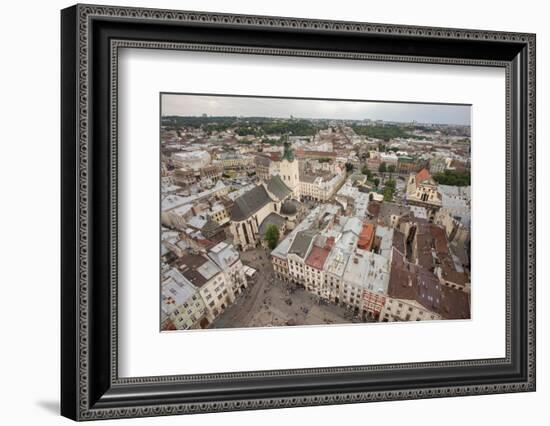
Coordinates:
289 171
422 190
253 207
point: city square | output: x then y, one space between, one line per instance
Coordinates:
274 221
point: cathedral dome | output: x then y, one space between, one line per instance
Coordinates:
289 208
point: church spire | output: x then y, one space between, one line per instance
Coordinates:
288 152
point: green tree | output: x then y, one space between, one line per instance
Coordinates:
391 168
349 167
388 194
382 167
390 183
453 178
389 189
376 181
272 236
365 170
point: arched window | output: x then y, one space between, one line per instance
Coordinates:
245 232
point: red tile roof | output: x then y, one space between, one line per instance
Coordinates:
317 257
302 153
366 237
422 175
409 281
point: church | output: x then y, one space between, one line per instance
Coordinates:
269 203
273 202
422 190
289 171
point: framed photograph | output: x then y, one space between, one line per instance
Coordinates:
263 212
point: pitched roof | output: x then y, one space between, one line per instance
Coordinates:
422 175
210 225
388 209
262 160
374 208
196 268
399 240
366 237
301 243
317 257
412 282
277 187
249 203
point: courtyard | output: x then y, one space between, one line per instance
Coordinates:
270 302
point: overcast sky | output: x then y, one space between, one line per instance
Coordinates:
194 105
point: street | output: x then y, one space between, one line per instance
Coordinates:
269 302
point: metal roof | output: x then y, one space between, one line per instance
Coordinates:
277 187
249 203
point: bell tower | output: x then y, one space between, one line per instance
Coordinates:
289 170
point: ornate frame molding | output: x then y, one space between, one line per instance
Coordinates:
82 17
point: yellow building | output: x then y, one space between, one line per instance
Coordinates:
422 191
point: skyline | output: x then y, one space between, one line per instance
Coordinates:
248 106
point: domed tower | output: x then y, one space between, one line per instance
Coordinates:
289 170
289 210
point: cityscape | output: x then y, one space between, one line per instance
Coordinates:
292 212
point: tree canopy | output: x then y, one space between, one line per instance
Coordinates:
453 178
272 236
365 170
385 132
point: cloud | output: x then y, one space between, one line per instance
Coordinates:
194 105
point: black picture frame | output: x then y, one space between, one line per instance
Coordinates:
90 386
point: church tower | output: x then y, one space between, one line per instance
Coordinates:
289 170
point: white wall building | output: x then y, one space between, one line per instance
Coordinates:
194 160
181 302
228 259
